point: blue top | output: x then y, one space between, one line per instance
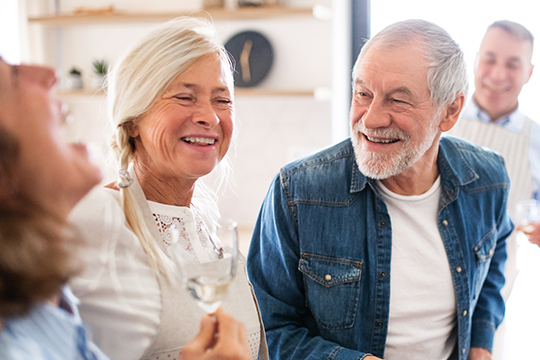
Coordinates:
46 333
513 122
323 217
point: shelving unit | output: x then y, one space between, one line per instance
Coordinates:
70 19
238 92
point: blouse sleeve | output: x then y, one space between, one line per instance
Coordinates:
118 291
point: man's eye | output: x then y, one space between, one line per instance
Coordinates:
397 101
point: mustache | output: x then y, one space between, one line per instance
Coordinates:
381 133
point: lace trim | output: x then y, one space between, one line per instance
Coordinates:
164 223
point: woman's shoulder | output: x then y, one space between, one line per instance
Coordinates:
97 201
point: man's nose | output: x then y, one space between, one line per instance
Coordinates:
376 116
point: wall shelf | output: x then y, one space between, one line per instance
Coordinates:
72 93
70 19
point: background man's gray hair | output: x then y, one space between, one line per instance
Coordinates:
447 74
513 28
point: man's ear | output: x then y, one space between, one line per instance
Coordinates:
451 113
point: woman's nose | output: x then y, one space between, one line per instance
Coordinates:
43 75
206 116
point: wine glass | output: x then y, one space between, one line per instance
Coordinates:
207 267
527 214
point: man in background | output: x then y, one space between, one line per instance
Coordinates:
492 119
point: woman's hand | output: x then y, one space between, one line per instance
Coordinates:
221 338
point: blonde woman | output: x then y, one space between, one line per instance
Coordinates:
171 105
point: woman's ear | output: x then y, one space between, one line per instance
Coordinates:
451 113
131 128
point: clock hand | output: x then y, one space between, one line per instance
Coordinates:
244 61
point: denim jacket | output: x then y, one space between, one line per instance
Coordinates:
320 255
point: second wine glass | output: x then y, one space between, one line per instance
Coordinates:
207 267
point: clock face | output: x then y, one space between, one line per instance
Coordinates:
253 57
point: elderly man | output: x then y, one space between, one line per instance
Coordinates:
390 244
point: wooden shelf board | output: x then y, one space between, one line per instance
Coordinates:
68 19
238 92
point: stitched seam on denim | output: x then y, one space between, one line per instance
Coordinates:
332 259
319 280
317 162
323 202
474 190
284 179
334 352
471 175
487 236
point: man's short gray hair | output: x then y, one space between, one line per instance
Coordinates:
447 74
513 28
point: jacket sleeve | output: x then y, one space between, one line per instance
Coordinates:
273 261
490 308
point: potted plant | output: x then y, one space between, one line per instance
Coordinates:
74 80
100 73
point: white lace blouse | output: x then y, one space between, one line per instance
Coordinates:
119 292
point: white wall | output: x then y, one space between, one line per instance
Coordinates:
272 130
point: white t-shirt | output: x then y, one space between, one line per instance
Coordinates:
422 319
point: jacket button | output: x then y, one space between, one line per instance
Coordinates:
379 324
463 351
445 223
491 252
382 274
458 269
465 313
328 277
383 223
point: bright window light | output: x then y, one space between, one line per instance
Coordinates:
10 48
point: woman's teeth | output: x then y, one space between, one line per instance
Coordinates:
198 140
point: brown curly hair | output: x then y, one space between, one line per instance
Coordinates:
36 258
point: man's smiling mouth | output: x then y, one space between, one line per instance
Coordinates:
381 141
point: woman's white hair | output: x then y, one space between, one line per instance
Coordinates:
137 81
447 74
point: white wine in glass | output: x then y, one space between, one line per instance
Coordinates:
527 214
207 269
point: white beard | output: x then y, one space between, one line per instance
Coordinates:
382 166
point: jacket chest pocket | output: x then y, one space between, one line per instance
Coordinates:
332 287
484 251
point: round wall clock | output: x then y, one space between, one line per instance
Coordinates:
253 57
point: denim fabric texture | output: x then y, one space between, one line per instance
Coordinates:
320 255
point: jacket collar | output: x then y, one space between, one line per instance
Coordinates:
454 168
